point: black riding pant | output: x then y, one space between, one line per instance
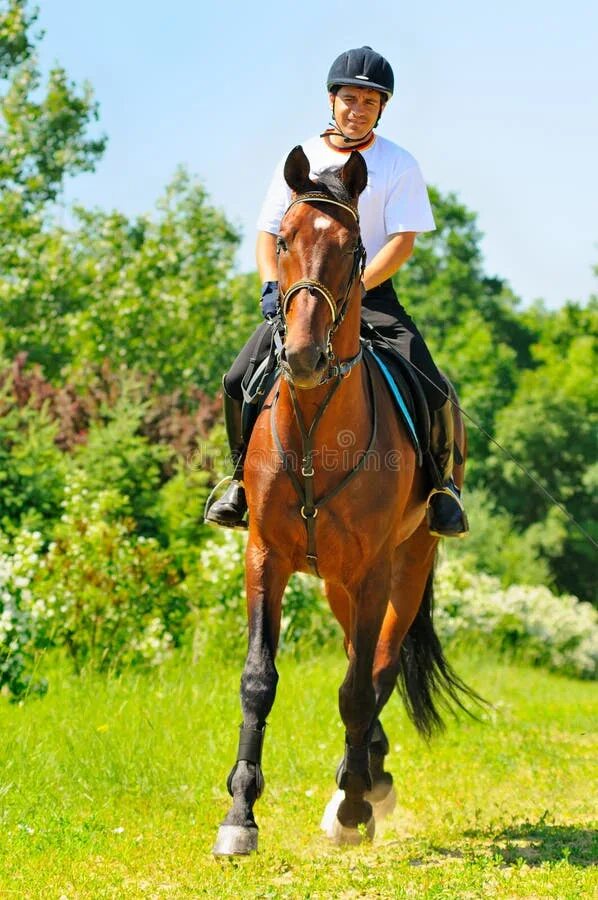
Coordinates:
382 310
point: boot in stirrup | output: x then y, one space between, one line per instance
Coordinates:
445 514
229 511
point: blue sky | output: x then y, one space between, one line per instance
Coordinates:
498 102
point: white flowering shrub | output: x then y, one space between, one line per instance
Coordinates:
528 622
219 593
524 621
19 562
109 596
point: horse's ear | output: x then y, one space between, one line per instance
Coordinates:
355 174
296 170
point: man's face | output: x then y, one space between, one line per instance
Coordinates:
356 110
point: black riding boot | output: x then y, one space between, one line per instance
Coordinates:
445 513
229 511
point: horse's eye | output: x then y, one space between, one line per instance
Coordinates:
280 244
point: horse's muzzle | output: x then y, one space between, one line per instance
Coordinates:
304 367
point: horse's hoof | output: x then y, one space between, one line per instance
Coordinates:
235 840
383 798
340 834
329 817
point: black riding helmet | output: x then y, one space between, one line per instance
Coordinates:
362 67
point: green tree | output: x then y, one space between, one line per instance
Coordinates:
43 140
156 293
550 427
470 320
43 131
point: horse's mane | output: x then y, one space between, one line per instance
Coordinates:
331 181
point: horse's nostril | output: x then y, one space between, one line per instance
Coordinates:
321 361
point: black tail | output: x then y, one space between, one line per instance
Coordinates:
426 680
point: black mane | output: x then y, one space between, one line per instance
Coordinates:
331 181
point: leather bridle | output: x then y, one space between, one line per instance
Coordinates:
304 488
337 310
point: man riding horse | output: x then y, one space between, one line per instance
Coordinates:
393 209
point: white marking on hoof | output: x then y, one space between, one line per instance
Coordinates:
382 806
235 840
329 817
343 835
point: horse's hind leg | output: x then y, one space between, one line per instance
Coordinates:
412 564
357 704
382 796
266 580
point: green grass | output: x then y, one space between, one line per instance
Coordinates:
114 789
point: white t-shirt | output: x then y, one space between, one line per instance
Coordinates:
394 200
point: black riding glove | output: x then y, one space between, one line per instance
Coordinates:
269 299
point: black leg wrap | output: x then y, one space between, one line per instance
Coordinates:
378 740
356 761
251 742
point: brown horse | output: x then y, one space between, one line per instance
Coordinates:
334 488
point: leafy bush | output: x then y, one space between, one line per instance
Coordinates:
115 454
219 590
523 621
32 468
109 596
495 547
19 562
527 622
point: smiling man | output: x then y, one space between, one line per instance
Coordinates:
393 209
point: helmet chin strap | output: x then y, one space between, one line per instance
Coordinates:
340 133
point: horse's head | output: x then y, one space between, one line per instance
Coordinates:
319 259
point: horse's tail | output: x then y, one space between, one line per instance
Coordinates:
426 680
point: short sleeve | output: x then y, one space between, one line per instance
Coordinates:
407 205
276 201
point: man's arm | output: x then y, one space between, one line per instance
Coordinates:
388 260
265 255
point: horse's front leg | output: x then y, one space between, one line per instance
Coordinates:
266 579
357 704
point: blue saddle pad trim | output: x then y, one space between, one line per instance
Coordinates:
398 400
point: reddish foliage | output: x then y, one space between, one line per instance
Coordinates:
64 405
178 419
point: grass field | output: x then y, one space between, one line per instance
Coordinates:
114 789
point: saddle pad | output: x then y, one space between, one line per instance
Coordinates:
401 394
